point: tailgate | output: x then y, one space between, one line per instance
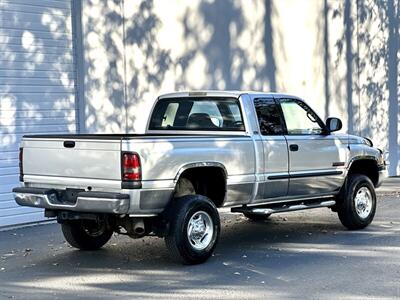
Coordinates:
72 158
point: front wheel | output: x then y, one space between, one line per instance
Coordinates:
357 203
194 227
87 234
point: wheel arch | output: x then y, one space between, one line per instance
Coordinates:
213 185
365 165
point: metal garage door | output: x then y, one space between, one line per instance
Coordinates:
37 90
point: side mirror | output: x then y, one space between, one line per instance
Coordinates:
333 124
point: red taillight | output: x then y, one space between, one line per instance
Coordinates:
21 169
131 167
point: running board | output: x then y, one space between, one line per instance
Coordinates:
274 208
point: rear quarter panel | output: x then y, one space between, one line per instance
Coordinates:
163 158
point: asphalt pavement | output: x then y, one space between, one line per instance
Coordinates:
300 255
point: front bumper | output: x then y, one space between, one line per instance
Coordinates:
95 202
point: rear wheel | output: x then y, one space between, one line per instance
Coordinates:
194 227
87 234
357 203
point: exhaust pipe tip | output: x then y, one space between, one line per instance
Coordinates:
139 230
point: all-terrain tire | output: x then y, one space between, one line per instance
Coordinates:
356 204
194 227
86 234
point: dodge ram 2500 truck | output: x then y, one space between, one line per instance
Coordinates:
258 153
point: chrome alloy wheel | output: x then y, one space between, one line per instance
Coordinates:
363 202
200 230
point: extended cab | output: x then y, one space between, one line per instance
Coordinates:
259 153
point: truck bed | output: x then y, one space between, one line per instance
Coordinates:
94 160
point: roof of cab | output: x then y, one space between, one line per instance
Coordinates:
214 93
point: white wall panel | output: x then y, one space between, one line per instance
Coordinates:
37 86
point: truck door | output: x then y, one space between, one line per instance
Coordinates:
276 166
316 157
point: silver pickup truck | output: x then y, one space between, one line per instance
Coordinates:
258 153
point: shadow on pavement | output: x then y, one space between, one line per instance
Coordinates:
291 255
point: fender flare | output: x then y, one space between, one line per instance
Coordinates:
200 165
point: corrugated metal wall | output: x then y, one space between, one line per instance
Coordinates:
37 86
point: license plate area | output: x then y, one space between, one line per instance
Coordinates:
66 197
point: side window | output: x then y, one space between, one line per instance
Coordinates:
269 117
300 119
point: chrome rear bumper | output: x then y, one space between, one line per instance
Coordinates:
99 202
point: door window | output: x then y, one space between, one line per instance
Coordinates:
300 119
269 117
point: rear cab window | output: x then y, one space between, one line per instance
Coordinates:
195 113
